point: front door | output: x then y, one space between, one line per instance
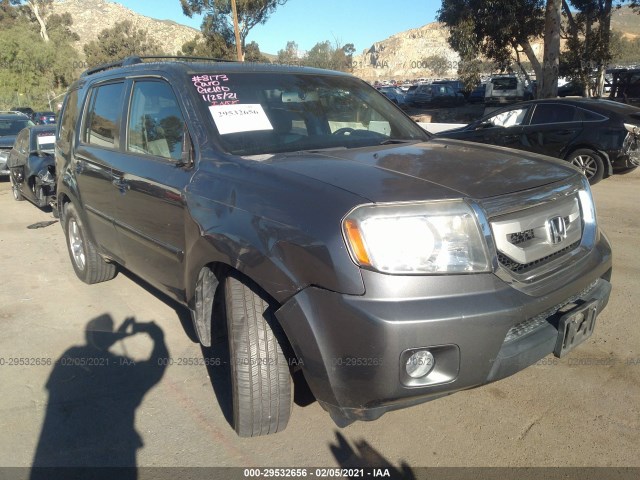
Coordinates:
150 180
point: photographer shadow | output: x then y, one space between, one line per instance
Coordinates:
93 396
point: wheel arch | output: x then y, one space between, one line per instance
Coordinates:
608 168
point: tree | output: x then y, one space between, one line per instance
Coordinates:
438 64
38 10
122 40
548 87
252 53
589 40
289 55
218 14
494 29
33 71
331 57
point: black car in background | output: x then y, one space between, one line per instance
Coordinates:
11 123
28 111
32 165
599 137
44 118
435 95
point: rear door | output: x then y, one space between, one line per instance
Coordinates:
503 128
150 180
97 148
552 128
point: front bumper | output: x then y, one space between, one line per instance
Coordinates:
353 348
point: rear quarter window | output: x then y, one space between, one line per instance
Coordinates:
103 115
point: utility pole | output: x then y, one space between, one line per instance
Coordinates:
237 30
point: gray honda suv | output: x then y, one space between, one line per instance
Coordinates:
338 237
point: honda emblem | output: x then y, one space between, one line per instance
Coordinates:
556 230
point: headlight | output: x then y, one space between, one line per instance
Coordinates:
416 238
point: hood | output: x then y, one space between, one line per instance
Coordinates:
437 169
7 141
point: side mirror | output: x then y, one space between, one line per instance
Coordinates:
483 125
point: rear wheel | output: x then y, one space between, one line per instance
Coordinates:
89 266
260 377
589 162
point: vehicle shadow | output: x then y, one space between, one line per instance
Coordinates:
89 421
365 456
181 311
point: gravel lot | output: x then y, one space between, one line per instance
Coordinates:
582 410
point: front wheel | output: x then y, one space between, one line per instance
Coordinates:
89 266
589 162
260 377
15 189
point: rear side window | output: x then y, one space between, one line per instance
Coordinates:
103 114
554 113
69 117
156 126
589 116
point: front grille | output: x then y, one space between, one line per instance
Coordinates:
521 237
530 238
516 267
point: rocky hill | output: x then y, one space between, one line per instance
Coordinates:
90 17
402 56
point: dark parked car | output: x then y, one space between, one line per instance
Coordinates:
436 95
11 123
477 94
32 166
571 89
28 111
600 137
394 94
44 118
457 86
305 215
625 85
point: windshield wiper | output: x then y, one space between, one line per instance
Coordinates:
392 141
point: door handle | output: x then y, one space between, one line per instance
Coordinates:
121 184
80 166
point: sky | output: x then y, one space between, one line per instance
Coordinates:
307 22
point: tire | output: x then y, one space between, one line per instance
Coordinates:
15 189
89 266
589 162
260 378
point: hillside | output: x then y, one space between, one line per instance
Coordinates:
90 17
402 55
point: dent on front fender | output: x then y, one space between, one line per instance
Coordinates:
275 241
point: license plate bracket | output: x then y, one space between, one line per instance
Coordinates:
575 327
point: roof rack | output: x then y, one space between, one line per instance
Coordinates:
133 60
16 112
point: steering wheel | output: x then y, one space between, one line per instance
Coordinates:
344 131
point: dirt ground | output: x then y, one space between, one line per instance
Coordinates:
582 410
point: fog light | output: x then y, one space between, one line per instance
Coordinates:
420 364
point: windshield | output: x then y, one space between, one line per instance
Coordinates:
10 127
262 113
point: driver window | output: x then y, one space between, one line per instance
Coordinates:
510 118
156 126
